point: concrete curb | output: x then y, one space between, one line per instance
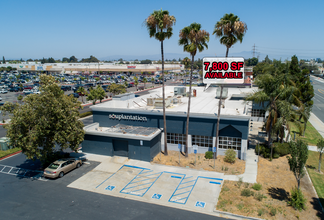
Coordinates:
10 155
233 216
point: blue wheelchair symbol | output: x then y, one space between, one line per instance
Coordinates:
110 188
156 196
200 204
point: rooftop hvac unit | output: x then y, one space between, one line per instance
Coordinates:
150 101
180 91
158 103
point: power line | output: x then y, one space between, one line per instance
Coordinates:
272 48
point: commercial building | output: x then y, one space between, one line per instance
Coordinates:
74 68
132 125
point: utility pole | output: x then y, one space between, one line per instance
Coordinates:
253 49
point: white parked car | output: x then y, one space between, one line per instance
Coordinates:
3 91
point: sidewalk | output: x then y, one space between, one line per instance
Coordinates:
318 125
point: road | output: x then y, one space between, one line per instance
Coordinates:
318 107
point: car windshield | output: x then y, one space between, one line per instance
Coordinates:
53 166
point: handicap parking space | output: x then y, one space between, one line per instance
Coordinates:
184 189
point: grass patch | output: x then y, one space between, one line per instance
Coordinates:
311 134
85 114
317 178
8 152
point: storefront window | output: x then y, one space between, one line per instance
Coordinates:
230 143
173 138
202 141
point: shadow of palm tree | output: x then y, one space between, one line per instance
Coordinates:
278 193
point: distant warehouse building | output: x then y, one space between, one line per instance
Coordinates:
132 125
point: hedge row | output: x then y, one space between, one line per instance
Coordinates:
279 150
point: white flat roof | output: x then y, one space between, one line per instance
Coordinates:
204 103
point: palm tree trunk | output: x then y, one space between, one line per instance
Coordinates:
218 120
319 163
270 140
227 49
188 112
163 97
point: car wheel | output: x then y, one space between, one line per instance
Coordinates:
78 165
61 174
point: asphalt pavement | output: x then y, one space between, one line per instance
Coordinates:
26 198
318 107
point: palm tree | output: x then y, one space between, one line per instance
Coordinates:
144 81
159 25
152 81
135 82
230 30
279 94
192 39
82 91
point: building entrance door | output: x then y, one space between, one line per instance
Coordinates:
120 148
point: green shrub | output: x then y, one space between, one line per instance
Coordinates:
297 199
259 196
247 192
282 149
273 211
85 114
209 155
240 206
275 156
226 189
257 186
246 185
239 183
230 156
260 212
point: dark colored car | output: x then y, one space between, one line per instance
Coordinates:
201 84
15 89
76 95
64 88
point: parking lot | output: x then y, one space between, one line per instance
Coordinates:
163 185
27 198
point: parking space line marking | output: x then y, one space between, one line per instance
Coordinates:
137 185
181 193
3 168
136 167
214 182
110 176
178 177
137 190
184 187
144 180
188 181
210 178
147 175
38 176
179 199
137 177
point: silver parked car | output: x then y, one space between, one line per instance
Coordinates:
60 167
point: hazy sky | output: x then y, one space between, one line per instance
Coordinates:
103 28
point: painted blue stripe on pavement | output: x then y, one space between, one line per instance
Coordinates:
214 182
178 177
